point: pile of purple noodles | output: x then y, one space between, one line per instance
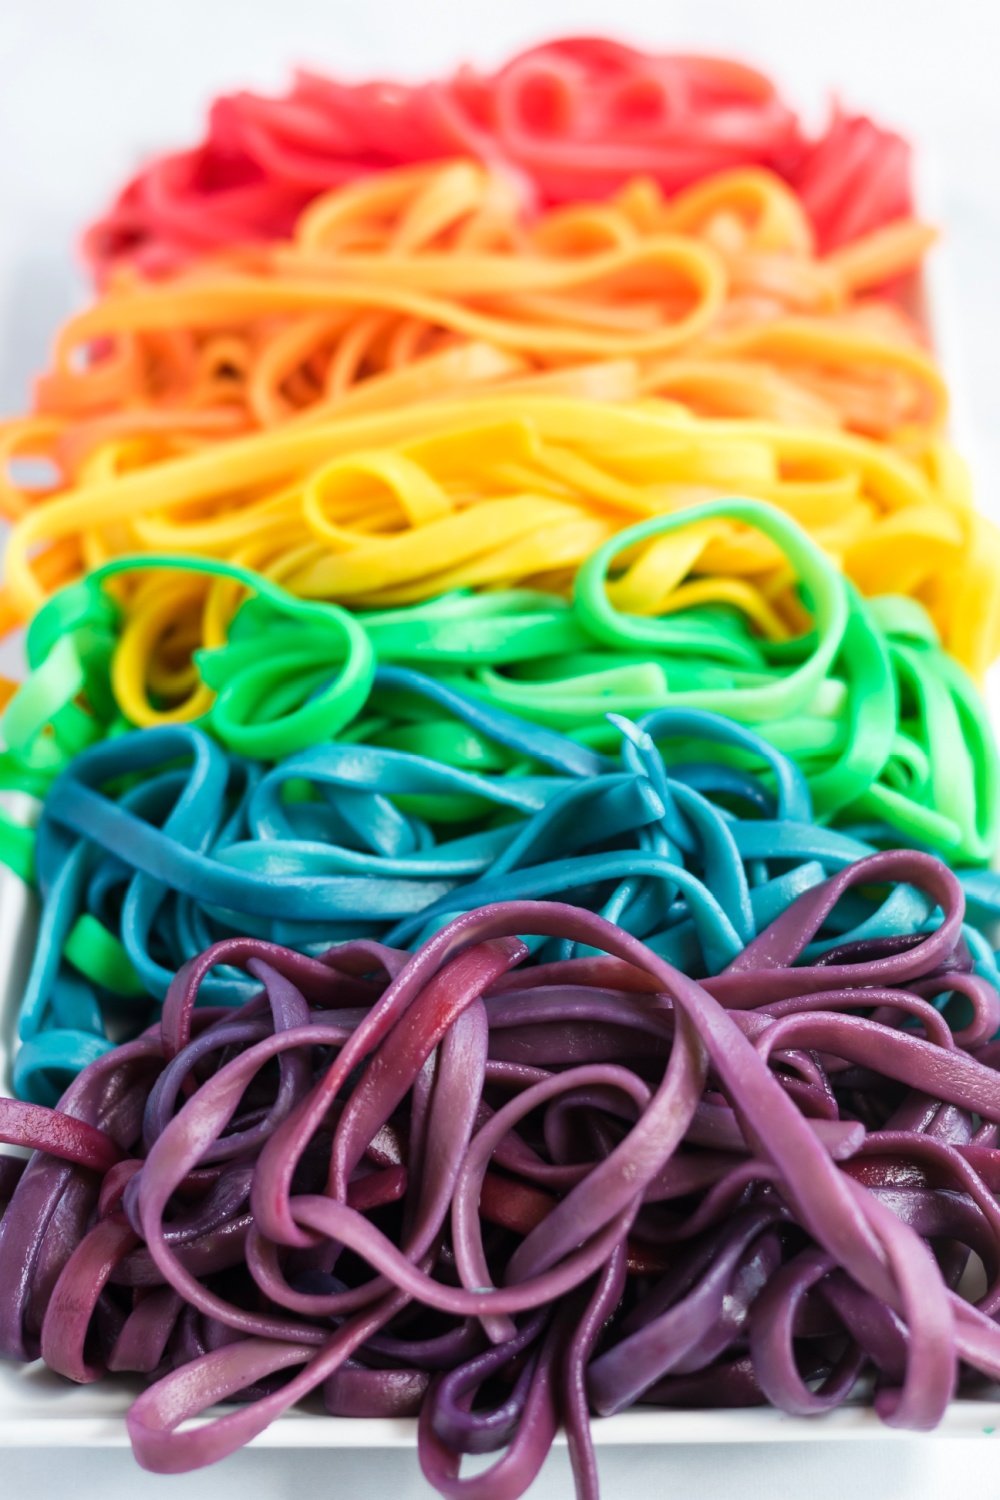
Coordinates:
502 1197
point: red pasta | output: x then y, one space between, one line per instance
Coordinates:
571 120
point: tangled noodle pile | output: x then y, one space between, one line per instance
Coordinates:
511 805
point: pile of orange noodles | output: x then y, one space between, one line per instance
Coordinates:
429 282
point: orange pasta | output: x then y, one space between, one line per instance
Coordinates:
428 282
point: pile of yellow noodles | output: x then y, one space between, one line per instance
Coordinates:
513 489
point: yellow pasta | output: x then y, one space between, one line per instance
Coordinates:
508 489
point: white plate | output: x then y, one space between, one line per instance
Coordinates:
41 1410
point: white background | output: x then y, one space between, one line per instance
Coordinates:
89 86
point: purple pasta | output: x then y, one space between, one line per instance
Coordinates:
500 1197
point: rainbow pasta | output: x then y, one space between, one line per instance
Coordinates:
461 500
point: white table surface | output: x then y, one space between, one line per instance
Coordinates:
88 86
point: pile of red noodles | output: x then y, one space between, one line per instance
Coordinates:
570 120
